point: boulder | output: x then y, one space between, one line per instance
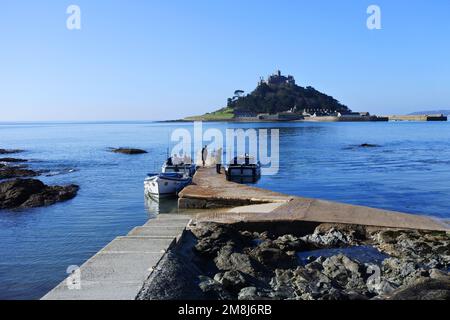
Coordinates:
290 243
424 289
15 160
403 271
345 272
283 283
213 289
233 280
10 172
212 237
301 283
369 145
334 294
129 151
329 238
28 193
228 260
249 293
10 151
388 236
273 258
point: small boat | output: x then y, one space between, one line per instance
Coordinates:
243 167
179 165
165 184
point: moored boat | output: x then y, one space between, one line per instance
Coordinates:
179 165
242 167
165 184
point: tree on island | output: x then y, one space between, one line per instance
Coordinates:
274 98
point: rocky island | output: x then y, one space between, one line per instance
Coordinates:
30 193
279 98
129 151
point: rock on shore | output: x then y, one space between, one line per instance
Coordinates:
28 193
9 172
129 151
11 168
369 145
10 151
246 265
12 160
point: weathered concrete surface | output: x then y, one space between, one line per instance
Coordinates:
430 117
118 271
259 208
138 244
157 231
213 191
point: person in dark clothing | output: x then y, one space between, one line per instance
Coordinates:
204 155
219 161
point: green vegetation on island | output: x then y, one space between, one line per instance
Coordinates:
222 114
278 94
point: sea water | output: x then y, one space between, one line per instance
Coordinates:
409 172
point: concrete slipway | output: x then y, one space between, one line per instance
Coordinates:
118 271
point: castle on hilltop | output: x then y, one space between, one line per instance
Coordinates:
277 78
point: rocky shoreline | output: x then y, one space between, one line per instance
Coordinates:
18 190
217 261
10 151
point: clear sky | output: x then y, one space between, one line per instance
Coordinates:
151 60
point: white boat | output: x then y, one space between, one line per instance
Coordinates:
179 165
165 184
243 167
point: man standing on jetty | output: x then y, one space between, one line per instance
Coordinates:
204 155
219 160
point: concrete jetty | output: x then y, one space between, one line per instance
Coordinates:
118 271
211 190
249 204
431 117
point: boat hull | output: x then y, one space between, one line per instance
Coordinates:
160 186
243 171
183 168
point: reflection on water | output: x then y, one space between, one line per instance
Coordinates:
157 206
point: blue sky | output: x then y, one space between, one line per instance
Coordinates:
151 60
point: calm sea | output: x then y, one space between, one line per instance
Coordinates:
410 172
